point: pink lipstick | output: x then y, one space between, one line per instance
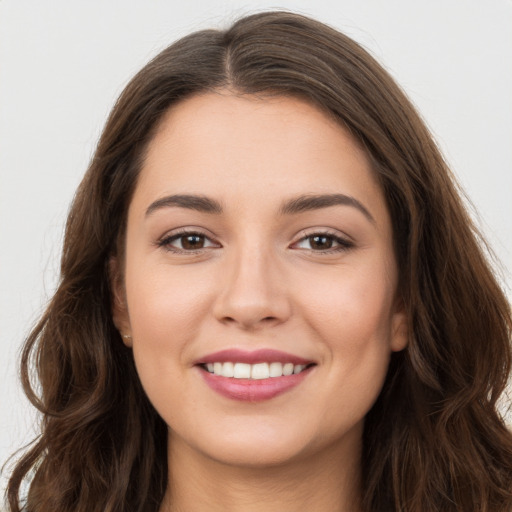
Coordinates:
253 376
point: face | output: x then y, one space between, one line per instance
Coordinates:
258 244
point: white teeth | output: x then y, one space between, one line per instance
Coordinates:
260 371
288 369
242 371
276 370
254 371
298 368
228 370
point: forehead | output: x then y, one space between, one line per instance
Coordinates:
247 149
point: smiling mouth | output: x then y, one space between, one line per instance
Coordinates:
258 371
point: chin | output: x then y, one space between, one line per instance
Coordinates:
250 443
254 455
265 445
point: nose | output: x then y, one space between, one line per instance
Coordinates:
254 293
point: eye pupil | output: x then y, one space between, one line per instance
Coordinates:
192 242
321 242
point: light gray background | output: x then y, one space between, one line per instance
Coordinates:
63 63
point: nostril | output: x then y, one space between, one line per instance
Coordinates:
250 321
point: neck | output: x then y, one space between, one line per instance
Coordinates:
328 481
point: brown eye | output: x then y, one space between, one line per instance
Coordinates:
320 242
323 243
191 242
187 242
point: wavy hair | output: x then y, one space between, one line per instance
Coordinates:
433 441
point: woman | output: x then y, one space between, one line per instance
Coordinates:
271 298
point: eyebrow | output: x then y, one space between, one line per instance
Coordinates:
315 202
296 205
192 202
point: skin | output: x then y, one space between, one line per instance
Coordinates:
259 281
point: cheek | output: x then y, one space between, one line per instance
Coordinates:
165 312
352 311
352 319
166 303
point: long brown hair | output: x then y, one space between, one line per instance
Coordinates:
433 441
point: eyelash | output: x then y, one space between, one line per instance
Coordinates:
343 244
167 240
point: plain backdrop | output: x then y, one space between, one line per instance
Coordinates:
63 63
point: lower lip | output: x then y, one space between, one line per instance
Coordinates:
253 390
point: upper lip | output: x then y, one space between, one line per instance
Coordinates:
252 357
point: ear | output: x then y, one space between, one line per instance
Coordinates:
399 328
119 306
